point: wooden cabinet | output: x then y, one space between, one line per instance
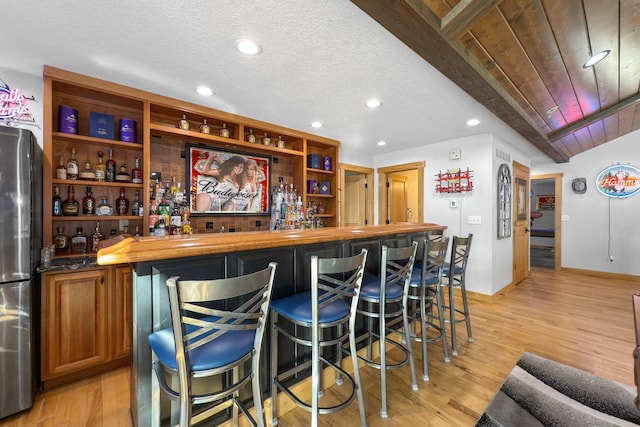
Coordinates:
324 194
85 322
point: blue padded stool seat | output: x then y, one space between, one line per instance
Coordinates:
371 289
416 277
447 268
219 352
298 307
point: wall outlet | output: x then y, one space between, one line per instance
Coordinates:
453 203
455 154
475 219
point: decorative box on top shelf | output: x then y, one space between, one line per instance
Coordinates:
101 125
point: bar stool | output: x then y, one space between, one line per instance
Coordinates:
453 274
322 317
424 291
385 299
206 342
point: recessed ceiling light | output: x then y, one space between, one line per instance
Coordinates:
596 58
381 143
316 124
373 103
204 91
248 47
473 122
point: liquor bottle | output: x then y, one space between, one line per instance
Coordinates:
135 204
265 139
104 208
174 187
70 207
88 203
57 201
163 211
175 220
280 142
61 170
78 242
185 220
122 204
183 123
161 230
123 175
153 216
111 167
136 233
72 165
205 128
96 238
87 173
61 242
101 169
179 196
224 132
136 172
251 137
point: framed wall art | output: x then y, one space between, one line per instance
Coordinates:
504 202
227 182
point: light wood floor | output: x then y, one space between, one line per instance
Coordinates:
582 321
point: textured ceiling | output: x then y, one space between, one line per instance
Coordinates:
321 61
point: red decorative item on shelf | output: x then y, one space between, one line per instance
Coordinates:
454 181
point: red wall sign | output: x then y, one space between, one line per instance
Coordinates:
619 181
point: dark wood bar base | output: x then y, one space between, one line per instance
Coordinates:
155 259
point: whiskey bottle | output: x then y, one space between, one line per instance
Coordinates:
78 242
72 165
205 128
173 189
70 207
280 142
135 204
183 123
61 170
251 137
104 208
96 238
88 203
57 202
136 172
87 173
61 242
101 169
122 204
224 132
153 216
265 139
111 167
123 175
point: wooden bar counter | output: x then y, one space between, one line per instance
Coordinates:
217 255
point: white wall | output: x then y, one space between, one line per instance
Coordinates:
595 225
28 85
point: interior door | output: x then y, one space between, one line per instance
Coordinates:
356 194
397 198
520 222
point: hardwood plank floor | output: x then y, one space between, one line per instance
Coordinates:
579 320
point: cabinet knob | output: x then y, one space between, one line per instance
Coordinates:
102 280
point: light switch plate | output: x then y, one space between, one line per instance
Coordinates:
475 219
455 154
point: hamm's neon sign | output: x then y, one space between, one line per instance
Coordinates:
13 106
619 181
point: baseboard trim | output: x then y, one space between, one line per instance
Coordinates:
601 274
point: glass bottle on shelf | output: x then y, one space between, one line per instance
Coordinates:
88 203
101 169
87 173
153 215
205 128
123 175
280 142
179 196
224 132
183 123
61 170
173 189
57 201
70 207
135 204
122 203
111 167
136 233
251 137
72 165
161 230
61 242
265 139
175 220
78 242
104 208
321 208
136 172
163 211
96 238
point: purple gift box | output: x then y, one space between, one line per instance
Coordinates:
325 187
67 119
310 184
326 163
127 130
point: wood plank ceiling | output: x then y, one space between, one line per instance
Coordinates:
523 60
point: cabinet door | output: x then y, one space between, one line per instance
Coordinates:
122 312
75 321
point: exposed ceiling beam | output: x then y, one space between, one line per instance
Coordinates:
464 15
561 133
418 27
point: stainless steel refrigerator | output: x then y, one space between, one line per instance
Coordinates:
20 242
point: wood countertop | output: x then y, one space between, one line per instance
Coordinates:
121 249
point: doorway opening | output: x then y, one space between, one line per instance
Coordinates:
355 195
546 202
401 193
